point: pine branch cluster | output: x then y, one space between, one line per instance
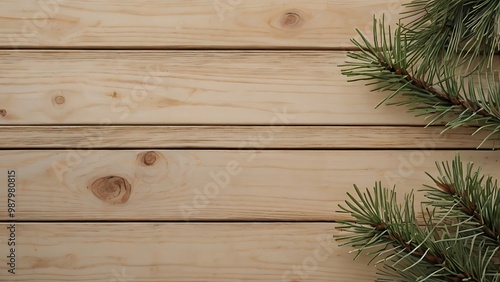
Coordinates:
457 239
441 60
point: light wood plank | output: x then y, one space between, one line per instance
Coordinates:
188 24
209 185
241 137
179 252
137 87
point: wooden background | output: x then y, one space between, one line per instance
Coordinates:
195 140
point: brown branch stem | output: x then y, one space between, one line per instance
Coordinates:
446 97
434 259
470 209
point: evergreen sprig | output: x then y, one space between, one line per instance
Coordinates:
458 238
453 30
428 70
472 198
441 63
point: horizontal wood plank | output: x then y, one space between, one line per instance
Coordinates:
208 185
138 87
188 24
179 252
239 137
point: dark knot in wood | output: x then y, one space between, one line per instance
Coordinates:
149 158
112 189
291 20
59 100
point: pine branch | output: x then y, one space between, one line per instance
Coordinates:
441 65
452 30
476 198
455 243
437 91
449 100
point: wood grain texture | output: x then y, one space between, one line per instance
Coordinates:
198 114
209 185
239 137
218 88
188 24
180 252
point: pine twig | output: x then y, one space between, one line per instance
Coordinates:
456 242
431 90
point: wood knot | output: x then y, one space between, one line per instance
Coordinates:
3 112
59 100
291 20
148 158
111 189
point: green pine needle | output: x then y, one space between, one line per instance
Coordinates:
457 240
441 63
436 74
